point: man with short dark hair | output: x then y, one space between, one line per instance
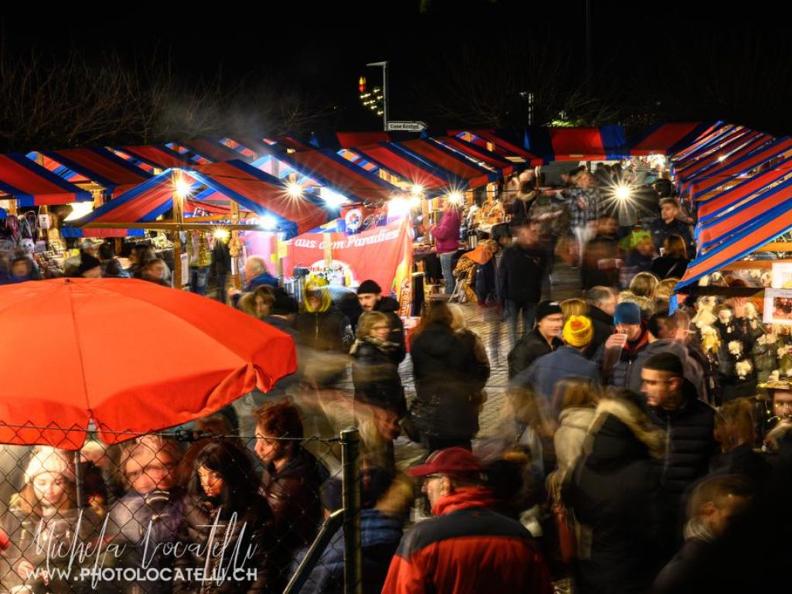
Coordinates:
543 339
670 224
370 298
466 547
689 424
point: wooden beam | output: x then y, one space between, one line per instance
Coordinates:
779 246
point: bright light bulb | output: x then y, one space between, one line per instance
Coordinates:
268 223
722 158
622 193
456 198
331 198
221 233
79 210
294 190
182 188
416 189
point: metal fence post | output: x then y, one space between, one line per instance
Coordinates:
353 558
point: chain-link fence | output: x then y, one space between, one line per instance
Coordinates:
196 510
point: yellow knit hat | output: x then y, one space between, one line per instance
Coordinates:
578 331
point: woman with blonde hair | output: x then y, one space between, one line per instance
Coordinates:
665 289
46 505
325 330
644 284
574 307
374 375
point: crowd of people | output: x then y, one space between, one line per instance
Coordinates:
642 449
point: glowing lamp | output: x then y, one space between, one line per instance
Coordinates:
294 190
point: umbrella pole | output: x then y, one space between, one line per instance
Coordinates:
78 480
235 248
178 218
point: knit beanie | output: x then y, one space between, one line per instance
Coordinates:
48 459
627 312
578 331
547 308
369 286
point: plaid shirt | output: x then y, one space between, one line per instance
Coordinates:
590 211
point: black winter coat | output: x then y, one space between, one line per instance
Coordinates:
324 331
615 493
390 307
603 328
450 373
690 443
520 274
376 378
293 497
252 529
528 349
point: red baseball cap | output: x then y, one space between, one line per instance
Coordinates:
448 461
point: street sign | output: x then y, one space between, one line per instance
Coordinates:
406 126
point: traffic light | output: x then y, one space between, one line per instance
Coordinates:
373 99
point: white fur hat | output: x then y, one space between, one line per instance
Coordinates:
48 459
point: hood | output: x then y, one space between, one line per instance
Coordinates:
387 305
465 498
576 418
621 432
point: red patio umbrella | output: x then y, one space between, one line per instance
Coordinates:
130 355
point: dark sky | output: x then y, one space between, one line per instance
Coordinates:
322 53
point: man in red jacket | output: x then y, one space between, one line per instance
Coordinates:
467 548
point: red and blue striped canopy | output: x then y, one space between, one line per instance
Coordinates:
666 139
33 185
411 168
478 153
97 165
506 143
328 169
705 188
579 144
474 175
157 156
253 190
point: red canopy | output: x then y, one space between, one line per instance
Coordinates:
412 170
663 138
207 355
251 187
99 166
344 177
158 156
33 185
459 166
478 153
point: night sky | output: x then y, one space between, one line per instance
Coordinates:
688 60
